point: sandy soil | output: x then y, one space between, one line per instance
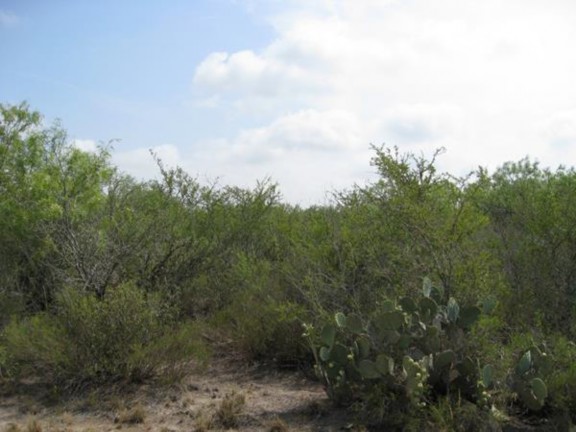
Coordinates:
223 397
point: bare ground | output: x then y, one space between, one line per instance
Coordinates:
223 397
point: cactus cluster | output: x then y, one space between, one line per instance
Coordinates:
525 379
411 345
415 350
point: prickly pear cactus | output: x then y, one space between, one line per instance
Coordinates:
409 348
526 383
416 376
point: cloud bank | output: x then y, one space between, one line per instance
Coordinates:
489 81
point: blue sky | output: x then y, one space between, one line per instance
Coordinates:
297 90
120 69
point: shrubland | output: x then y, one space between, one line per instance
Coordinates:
428 301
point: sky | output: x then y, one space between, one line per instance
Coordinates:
298 90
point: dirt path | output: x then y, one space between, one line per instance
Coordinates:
223 397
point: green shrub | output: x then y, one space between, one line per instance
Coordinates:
121 336
11 304
562 377
36 345
262 328
168 356
260 319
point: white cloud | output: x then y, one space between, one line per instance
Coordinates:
8 19
559 130
86 145
247 74
308 153
140 164
422 123
490 81
307 130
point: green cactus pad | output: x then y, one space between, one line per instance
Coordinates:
529 399
333 371
438 294
324 354
427 287
524 364
385 364
340 319
410 366
541 360
432 331
453 310
427 362
428 308
539 389
405 341
390 320
339 354
354 324
328 335
467 367
487 375
444 360
389 337
363 346
368 369
408 305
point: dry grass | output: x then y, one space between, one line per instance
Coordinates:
227 414
204 421
134 415
32 426
277 425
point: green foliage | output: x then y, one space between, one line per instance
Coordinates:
526 379
413 354
105 277
461 416
98 340
259 320
561 378
169 355
47 187
35 345
532 215
423 222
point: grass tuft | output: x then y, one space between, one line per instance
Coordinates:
277 425
227 414
134 415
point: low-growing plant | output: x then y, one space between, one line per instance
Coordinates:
261 322
525 379
450 414
560 376
169 355
34 426
411 352
276 425
228 413
134 415
85 338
